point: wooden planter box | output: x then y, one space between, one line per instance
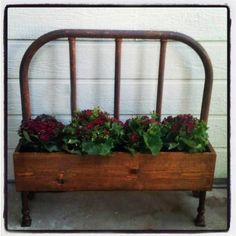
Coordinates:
120 171
38 172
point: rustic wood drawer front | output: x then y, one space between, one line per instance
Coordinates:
121 171
181 171
66 172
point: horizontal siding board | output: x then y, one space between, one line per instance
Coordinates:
221 163
220 171
30 23
10 168
95 60
217 130
137 97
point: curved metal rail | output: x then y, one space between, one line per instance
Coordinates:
118 35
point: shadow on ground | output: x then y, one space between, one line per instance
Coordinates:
118 210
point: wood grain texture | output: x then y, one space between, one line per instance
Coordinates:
95 60
220 168
121 171
197 22
217 125
137 97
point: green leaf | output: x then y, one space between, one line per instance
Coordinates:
188 142
51 148
105 149
153 143
72 141
172 145
26 136
73 151
154 115
92 148
131 150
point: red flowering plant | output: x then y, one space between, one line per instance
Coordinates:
41 133
184 133
92 132
142 134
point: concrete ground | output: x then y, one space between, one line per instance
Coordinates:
117 210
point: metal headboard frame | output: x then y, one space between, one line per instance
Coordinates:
117 35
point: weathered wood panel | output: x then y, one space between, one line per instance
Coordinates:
176 170
121 171
217 125
137 97
95 60
220 168
220 172
200 23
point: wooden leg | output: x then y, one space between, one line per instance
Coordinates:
200 219
26 220
31 195
196 193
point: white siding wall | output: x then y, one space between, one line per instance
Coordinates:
49 70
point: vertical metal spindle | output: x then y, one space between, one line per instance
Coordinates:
72 47
117 78
161 76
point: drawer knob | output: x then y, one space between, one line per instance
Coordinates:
134 171
60 177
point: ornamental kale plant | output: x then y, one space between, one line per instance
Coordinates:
142 134
184 133
92 132
95 132
41 133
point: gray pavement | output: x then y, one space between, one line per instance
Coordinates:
118 210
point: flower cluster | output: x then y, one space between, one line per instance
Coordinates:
41 133
184 133
94 132
142 134
95 116
184 122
